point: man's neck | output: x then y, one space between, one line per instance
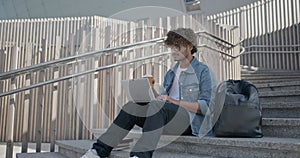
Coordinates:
186 62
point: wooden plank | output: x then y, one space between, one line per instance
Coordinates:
27 102
21 78
7 82
55 97
69 99
30 50
60 104
259 27
289 34
293 33
48 88
34 80
2 99
277 34
12 108
297 21
242 26
64 52
15 42
286 36
40 104
105 81
61 90
72 106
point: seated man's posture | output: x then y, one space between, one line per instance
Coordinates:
179 110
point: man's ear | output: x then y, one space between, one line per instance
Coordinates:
190 47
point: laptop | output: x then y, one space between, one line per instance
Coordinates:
138 90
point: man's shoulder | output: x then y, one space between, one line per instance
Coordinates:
199 64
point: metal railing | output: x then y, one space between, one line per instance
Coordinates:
13 73
272 56
72 59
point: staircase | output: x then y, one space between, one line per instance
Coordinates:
280 99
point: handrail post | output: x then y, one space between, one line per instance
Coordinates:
11 108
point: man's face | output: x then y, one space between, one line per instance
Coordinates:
180 53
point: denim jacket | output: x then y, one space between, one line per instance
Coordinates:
195 85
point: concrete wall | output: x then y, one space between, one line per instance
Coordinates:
12 9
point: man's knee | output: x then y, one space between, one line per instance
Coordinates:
155 107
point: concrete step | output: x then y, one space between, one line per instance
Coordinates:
266 147
272 127
41 155
161 154
236 147
273 80
281 110
269 76
280 96
267 71
77 148
270 73
278 86
281 127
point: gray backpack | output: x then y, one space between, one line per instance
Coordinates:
241 113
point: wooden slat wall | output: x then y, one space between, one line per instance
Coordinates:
39 40
270 33
70 108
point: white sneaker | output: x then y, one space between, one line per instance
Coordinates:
91 153
134 157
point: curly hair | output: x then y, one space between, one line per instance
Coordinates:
182 36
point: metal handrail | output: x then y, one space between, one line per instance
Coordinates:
293 52
44 65
218 38
15 72
12 73
80 74
222 52
106 67
272 46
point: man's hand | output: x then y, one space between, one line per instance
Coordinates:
168 99
191 106
163 97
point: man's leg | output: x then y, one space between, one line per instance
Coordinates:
168 118
130 115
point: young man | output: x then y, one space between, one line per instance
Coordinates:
180 109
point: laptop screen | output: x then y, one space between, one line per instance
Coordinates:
138 90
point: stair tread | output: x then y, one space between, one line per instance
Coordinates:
272 80
281 121
158 154
269 71
277 84
41 155
265 142
270 76
279 93
281 105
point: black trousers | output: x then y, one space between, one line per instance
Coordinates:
156 118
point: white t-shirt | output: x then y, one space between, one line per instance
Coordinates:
174 92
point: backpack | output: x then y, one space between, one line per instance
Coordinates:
241 113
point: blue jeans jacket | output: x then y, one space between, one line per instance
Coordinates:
195 85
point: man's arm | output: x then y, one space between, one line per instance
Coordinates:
190 106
